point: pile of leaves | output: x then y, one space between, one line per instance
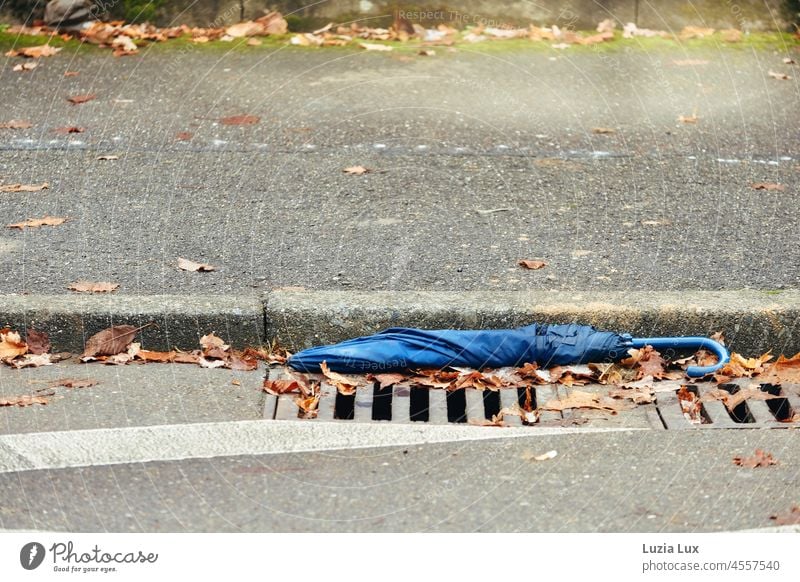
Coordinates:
31 352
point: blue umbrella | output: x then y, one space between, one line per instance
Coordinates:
401 348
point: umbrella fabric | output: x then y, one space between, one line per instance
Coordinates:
401 348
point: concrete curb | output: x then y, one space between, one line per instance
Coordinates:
181 320
752 321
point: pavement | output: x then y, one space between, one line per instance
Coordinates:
478 159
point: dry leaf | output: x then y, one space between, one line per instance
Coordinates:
73 383
688 118
69 129
374 47
161 357
791 518
37 222
788 61
760 459
240 120
23 400
111 341
38 342
89 287
23 67
71 73
783 371
356 170
533 265
106 158
30 361
78 99
427 53
639 395
211 342
11 345
254 42
34 52
16 124
241 363
781 76
578 399
24 187
344 384
187 265
543 457
690 405
387 379
183 136
602 130
731 401
769 186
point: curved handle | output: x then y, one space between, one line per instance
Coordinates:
687 343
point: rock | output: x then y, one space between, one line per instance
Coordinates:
69 14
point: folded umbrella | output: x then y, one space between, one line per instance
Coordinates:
401 348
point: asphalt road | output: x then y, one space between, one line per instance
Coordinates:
479 160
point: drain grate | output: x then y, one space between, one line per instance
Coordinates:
399 404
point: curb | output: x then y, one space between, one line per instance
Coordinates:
70 320
752 321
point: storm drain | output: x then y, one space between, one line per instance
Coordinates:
400 404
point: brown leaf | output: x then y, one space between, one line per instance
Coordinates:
356 170
24 400
73 383
281 386
78 99
760 459
374 47
642 395
183 136
160 357
16 124
11 345
71 73
578 399
30 361
107 158
781 76
89 287
24 67
783 371
790 518
240 120
239 362
211 342
34 52
187 265
69 129
37 222
344 384
24 187
388 379
187 358
731 401
688 118
111 341
769 186
533 265
647 361
603 130
38 342
690 405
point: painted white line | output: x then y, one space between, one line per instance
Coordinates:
83 448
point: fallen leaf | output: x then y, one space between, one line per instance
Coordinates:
236 382
534 265
211 342
356 170
183 136
387 379
160 357
23 400
543 457
241 363
73 383
187 265
11 345
427 53
37 222
760 459
111 341
78 99
30 361
783 371
602 130
187 358
24 187
71 73
344 384
16 124
23 67
34 52
578 399
281 386
791 518
642 395
69 129
124 45
781 76
374 47
38 342
89 287
688 118
731 401
690 405
240 120
731 35
106 158
254 42
647 361
768 186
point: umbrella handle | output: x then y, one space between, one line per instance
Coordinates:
688 343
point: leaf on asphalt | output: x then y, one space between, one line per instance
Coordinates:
769 186
603 130
107 158
24 67
183 136
16 124
124 45
111 341
692 119
73 383
792 517
24 187
90 287
187 265
780 76
534 265
11 345
731 401
760 459
69 129
242 363
24 400
356 170
370 46
71 73
187 357
37 222
240 120
34 52
78 99
346 385
529 456
585 400
38 342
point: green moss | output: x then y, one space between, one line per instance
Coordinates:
9 41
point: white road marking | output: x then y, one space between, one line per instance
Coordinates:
83 448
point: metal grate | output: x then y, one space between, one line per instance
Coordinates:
436 406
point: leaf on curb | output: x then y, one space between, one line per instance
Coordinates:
90 287
160 357
78 99
24 187
534 265
30 361
73 383
187 265
38 342
16 124
281 386
111 341
356 170
769 186
240 120
760 459
37 222
24 400
34 52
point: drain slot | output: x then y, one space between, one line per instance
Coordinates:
491 403
381 403
419 405
456 406
780 407
344 408
740 413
